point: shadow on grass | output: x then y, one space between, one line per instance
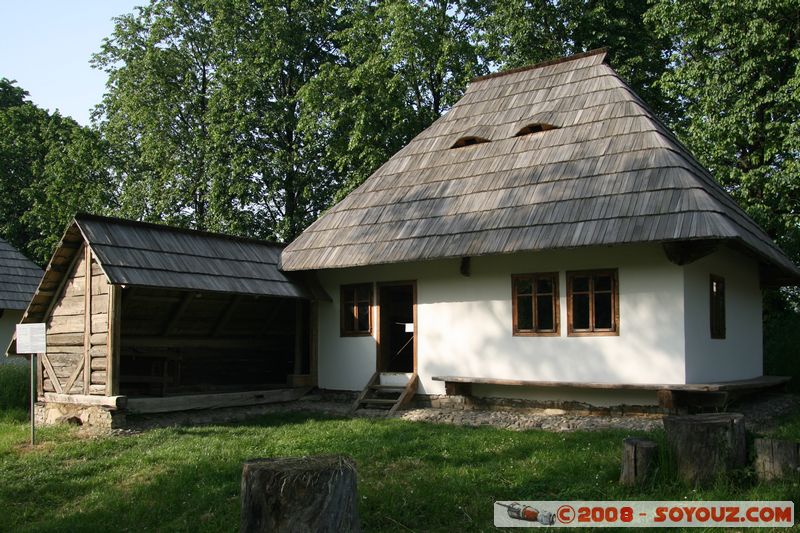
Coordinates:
420 476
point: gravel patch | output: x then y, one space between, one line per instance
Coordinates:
762 414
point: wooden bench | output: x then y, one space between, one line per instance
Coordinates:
670 396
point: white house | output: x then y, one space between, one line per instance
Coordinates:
548 231
19 277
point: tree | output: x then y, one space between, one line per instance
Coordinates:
736 71
399 65
523 32
50 169
155 114
203 115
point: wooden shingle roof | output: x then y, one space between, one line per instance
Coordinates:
151 255
19 277
608 173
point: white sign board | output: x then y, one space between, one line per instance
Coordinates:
31 338
409 327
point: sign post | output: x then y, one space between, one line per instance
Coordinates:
32 339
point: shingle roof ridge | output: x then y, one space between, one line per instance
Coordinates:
547 63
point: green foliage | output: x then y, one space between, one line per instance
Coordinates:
418 476
202 113
14 390
735 70
521 32
50 169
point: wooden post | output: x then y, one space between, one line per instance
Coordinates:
638 460
113 339
299 494
776 458
298 337
706 445
87 324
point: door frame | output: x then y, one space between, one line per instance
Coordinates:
378 287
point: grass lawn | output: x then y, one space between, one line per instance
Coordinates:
412 476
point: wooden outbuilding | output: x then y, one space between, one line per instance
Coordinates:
146 318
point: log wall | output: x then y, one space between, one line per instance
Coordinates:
77 356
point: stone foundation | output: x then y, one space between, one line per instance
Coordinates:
50 413
465 403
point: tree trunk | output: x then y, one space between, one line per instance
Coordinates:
299 494
638 460
776 458
706 445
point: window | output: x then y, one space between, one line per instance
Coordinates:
356 301
717 307
469 141
535 303
592 303
534 128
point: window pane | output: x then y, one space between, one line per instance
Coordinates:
580 284
523 286
524 313
363 292
544 285
349 317
602 283
363 316
602 310
544 313
580 311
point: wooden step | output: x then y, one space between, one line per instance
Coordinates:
379 401
388 388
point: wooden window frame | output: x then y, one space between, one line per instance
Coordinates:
556 302
716 320
592 331
344 332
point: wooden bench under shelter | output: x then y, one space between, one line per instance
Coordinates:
671 397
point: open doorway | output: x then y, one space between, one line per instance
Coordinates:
397 322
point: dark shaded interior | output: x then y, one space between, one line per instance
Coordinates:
397 345
187 342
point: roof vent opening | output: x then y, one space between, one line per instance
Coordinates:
535 128
469 141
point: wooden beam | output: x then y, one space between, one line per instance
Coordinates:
762 382
298 337
52 373
114 339
226 315
199 342
75 373
114 402
177 314
313 336
87 324
60 287
209 401
686 252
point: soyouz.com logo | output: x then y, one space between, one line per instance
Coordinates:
643 514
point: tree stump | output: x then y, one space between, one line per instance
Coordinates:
638 460
706 445
299 494
776 458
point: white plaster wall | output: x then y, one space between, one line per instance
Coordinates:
8 324
740 354
464 323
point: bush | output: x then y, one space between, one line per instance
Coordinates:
781 346
14 387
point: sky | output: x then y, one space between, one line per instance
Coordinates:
46 45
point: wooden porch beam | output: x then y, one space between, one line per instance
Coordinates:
178 313
226 315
